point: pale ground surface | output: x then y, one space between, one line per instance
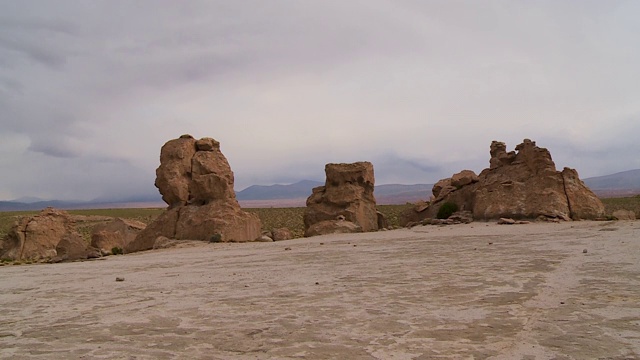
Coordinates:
478 291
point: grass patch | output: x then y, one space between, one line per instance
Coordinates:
626 203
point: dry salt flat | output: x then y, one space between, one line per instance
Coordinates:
476 291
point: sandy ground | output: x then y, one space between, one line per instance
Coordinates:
477 291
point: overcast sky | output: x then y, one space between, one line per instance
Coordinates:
90 90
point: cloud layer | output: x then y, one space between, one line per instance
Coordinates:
89 91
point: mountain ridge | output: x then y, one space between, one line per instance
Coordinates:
625 183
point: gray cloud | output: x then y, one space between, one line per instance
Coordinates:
90 90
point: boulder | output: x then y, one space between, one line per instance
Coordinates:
116 233
280 234
332 227
465 177
44 236
196 181
519 184
71 247
348 192
624 215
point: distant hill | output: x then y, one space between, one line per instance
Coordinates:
296 194
622 180
620 184
626 183
301 189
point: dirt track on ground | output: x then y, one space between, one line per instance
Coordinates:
477 291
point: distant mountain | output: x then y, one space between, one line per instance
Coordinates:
619 184
624 183
301 189
295 194
393 194
622 180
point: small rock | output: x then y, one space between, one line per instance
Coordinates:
584 251
506 221
264 238
287 248
119 279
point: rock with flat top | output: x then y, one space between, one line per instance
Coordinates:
346 197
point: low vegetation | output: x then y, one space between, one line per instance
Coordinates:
447 209
271 218
626 203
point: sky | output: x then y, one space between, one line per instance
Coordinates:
91 90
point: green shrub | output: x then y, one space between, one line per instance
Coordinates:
447 209
215 238
116 251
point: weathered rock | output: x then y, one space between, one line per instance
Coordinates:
348 192
333 227
624 215
174 174
583 203
163 242
506 221
461 217
196 181
280 234
116 233
442 188
382 221
72 247
264 238
518 184
42 237
465 177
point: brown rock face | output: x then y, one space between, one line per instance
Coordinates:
47 235
347 196
117 233
518 184
196 181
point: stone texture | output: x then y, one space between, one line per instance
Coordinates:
465 177
47 235
332 227
519 184
280 234
348 192
116 233
624 215
196 181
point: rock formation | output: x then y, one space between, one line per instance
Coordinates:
519 184
116 233
49 235
196 181
345 203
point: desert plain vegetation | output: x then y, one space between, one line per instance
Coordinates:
270 217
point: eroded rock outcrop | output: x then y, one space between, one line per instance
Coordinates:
519 184
49 235
117 233
196 181
345 203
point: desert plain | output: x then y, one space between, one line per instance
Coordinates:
474 291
